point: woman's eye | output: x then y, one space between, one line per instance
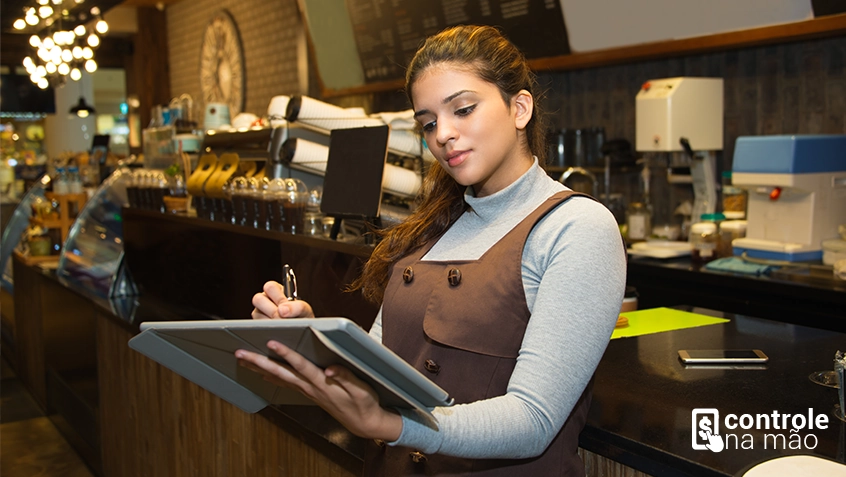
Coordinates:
465 111
429 127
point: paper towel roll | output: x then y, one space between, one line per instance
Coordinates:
313 157
325 116
307 154
276 110
405 142
401 181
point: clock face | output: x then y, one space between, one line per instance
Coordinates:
222 63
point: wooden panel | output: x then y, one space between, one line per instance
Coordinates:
598 466
154 422
29 341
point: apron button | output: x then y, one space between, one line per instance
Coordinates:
432 366
454 277
417 457
408 274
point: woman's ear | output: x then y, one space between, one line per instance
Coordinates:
524 105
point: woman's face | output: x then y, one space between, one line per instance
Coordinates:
478 138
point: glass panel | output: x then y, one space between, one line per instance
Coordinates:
93 253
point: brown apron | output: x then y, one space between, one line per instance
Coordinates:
462 324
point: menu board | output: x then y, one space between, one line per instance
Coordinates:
388 32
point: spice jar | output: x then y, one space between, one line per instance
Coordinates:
704 240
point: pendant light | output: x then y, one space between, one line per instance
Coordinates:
82 109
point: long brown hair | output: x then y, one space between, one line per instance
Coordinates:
494 59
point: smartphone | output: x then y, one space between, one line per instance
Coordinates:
722 356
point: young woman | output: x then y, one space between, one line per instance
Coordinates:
503 287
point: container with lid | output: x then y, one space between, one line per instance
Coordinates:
730 230
833 250
638 221
704 242
734 199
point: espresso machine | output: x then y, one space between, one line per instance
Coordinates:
797 194
683 117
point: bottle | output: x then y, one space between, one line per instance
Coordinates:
60 181
74 180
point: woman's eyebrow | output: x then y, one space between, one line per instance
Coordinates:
444 101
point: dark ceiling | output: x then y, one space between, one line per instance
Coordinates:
11 10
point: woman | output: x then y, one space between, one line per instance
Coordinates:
517 351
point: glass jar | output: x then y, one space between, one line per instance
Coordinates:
734 199
730 230
704 242
638 221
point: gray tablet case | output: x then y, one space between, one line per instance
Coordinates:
204 352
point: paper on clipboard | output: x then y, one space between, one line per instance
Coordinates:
204 352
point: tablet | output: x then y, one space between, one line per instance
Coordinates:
204 352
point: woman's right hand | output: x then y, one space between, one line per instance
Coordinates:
273 304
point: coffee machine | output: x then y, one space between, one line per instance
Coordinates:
683 116
797 194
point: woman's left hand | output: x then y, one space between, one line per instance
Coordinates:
336 389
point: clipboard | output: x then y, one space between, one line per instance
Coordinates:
204 353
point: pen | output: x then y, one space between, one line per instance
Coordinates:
289 282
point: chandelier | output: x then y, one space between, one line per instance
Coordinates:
63 45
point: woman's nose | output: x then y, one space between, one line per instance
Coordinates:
445 132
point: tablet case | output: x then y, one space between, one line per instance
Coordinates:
204 352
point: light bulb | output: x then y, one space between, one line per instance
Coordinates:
79 30
87 53
67 56
34 77
75 74
64 69
31 20
41 70
95 11
101 26
82 113
43 83
93 40
48 43
77 52
27 62
19 24
43 2
45 11
90 66
35 41
51 68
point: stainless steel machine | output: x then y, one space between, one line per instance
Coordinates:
683 117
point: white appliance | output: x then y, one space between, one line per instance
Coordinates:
670 110
797 194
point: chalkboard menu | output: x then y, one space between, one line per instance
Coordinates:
388 32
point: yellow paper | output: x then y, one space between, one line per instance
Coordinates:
657 320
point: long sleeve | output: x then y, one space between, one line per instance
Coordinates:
574 277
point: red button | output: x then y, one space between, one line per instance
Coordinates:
775 193
646 86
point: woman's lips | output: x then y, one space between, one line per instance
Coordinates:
456 158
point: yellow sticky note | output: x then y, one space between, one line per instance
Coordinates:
657 320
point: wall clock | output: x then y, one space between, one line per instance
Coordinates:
222 63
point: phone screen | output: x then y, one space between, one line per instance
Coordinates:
723 356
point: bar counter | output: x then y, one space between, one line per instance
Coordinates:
150 421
